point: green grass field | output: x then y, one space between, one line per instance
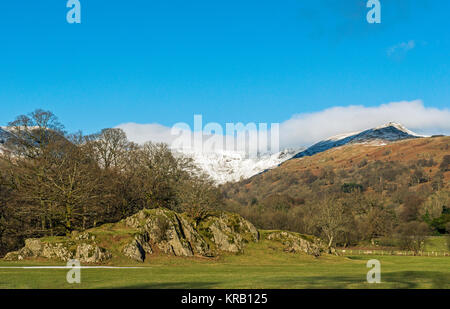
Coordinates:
437 243
262 265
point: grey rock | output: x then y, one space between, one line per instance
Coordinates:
35 248
297 243
167 231
177 234
58 250
228 232
91 253
134 251
18 255
34 245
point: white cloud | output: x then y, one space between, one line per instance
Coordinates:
305 129
401 48
308 128
141 133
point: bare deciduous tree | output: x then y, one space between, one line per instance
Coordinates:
109 147
31 133
332 218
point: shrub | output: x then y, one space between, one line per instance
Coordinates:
424 162
418 177
362 163
413 235
351 187
445 164
441 223
308 177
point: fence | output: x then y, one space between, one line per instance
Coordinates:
392 252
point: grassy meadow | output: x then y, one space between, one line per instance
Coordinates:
262 265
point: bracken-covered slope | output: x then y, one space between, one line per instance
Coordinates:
390 166
349 155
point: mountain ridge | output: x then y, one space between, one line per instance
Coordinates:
232 166
380 135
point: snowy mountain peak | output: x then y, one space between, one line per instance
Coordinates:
392 124
226 166
399 127
381 135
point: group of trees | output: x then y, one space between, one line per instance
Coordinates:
342 219
52 183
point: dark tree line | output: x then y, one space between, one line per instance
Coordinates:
52 183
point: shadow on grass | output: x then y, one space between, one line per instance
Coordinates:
410 279
396 280
172 285
391 280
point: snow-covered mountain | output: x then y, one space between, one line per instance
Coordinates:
4 135
227 166
221 165
376 136
224 166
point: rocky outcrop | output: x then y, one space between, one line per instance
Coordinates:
167 232
86 251
162 231
298 243
36 248
134 251
149 231
172 233
228 232
91 253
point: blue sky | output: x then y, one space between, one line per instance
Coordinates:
249 61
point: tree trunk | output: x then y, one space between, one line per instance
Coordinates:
330 242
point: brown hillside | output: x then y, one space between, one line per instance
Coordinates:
354 193
389 168
348 156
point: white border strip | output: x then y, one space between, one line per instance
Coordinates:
69 267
